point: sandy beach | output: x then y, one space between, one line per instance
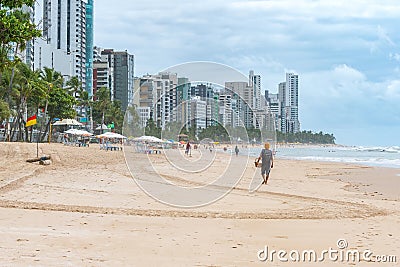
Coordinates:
85 209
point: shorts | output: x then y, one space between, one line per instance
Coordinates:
265 169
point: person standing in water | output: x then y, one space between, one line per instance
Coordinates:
267 162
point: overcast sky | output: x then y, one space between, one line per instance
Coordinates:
346 53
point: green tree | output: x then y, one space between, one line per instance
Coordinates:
114 115
54 81
27 84
74 86
61 104
151 129
85 102
306 137
132 125
102 103
16 29
4 110
216 133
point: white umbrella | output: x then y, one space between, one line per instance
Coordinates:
111 135
102 127
67 122
78 132
146 138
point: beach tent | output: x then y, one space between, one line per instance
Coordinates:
67 122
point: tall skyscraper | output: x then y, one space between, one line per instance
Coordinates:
63 45
89 47
245 103
287 101
292 102
115 70
255 81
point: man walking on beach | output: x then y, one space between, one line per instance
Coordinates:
267 162
188 151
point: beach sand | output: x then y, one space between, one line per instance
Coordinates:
85 209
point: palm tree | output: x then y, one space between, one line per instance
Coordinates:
26 84
85 101
103 97
74 86
53 79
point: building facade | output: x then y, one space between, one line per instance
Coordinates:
89 47
63 45
115 70
285 104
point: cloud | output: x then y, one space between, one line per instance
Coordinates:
339 48
343 99
395 56
323 9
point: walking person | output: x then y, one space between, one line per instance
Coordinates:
188 152
267 162
236 150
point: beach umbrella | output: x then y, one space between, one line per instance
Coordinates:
78 132
67 122
102 127
111 135
146 138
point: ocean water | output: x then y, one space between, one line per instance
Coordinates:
369 156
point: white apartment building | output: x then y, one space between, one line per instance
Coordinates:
63 45
255 81
144 115
245 100
225 109
198 109
159 93
274 106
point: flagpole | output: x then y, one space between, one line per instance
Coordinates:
50 133
37 142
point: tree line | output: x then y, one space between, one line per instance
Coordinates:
220 133
306 137
45 92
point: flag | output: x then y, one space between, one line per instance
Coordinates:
31 121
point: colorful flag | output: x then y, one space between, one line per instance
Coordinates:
31 121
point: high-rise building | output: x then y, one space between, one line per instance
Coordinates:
274 106
285 105
225 110
115 70
123 78
198 113
89 47
292 102
63 45
245 96
282 101
255 81
159 93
